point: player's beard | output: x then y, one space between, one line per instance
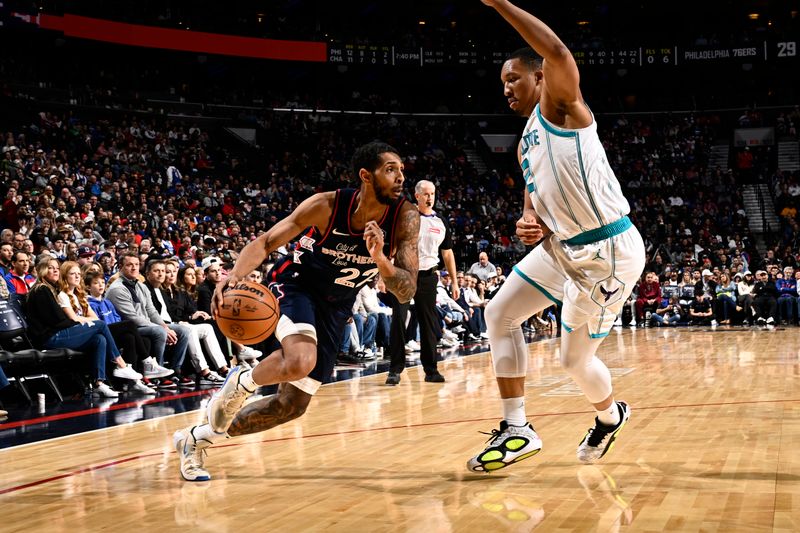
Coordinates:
383 198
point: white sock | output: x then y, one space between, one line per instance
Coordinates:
514 411
205 433
246 382
610 416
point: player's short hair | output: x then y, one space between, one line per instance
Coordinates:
527 56
368 156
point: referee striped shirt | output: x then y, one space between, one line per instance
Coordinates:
434 235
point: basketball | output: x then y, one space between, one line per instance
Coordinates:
249 313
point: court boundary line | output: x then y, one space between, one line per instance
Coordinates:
101 466
141 403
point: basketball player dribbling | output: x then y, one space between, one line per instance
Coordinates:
344 239
588 261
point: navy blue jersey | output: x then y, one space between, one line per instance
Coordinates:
335 266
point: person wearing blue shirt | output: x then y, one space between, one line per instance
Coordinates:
787 294
134 347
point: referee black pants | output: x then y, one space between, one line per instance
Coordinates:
429 328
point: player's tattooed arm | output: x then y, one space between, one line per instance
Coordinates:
402 279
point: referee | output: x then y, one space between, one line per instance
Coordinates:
434 236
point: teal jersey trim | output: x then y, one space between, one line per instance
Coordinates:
558 181
552 129
530 186
585 179
521 274
601 233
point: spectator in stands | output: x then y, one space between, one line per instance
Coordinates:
451 313
155 273
494 283
725 298
368 298
200 278
706 287
85 255
49 326
649 298
669 312
6 254
182 308
366 323
9 213
765 299
476 303
133 302
212 268
73 301
787 296
19 281
700 312
132 345
744 298
255 276
482 268
187 280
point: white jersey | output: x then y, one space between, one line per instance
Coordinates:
569 179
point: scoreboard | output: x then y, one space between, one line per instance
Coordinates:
644 56
361 54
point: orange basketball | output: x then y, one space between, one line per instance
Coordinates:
249 313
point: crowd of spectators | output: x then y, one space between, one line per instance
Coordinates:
85 190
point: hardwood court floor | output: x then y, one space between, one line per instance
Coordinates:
711 446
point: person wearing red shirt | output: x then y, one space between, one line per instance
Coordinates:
649 296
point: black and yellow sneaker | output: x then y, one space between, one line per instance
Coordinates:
507 445
599 440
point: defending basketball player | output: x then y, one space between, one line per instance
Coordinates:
589 260
345 239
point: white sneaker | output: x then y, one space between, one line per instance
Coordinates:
153 370
714 323
138 386
127 373
600 439
412 346
249 353
507 445
191 455
227 401
212 378
448 343
484 335
449 335
105 391
618 321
